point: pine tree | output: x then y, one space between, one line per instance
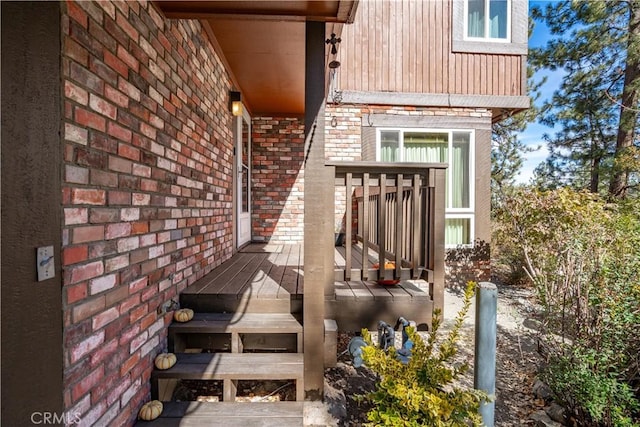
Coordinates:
597 43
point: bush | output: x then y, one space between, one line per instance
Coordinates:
582 255
422 392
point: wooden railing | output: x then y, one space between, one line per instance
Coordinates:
395 214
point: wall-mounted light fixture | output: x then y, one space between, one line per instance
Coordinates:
235 103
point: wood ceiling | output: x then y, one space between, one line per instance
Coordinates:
263 44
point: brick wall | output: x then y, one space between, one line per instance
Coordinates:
147 192
278 179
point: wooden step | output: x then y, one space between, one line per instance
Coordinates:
228 414
231 367
235 325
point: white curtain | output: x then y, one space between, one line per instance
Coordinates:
460 171
475 18
457 231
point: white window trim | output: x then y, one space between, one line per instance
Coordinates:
518 32
486 38
472 228
449 211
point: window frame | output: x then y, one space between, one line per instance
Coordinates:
517 31
450 212
487 38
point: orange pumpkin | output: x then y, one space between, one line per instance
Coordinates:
388 265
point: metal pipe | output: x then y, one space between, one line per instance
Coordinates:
484 372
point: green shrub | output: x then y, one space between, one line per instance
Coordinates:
423 391
592 395
582 255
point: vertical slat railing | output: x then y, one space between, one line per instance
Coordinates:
349 225
397 215
365 226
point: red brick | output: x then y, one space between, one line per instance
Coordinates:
129 303
138 285
82 196
116 263
75 134
121 229
120 165
87 383
127 27
117 97
115 295
77 292
128 59
88 308
86 346
138 313
119 198
86 271
74 254
89 233
76 51
75 216
89 119
129 364
76 93
103 107
104 318
77 14
148 320
128 151
119 132
104 179
139 227
116 64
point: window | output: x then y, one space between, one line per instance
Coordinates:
487 19
490 26
454 147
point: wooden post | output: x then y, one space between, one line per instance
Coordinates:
318 215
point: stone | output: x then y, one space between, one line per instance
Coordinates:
542 390
556 412
542 420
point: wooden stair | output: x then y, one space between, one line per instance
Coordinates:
205 414
236 333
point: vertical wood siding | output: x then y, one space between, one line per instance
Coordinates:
405 46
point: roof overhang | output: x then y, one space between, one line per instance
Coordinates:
262 44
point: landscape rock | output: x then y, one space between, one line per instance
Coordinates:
541 390
556 412
543 420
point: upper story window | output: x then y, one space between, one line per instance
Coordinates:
488 20
490 26
454 147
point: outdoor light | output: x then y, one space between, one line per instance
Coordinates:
235 103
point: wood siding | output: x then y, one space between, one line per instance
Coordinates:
405 46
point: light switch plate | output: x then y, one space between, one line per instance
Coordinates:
45 263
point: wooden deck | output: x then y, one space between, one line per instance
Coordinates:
270 278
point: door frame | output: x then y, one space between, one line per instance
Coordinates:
242 226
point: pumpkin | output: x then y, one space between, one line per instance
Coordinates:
183 315
388 265
165 361
150 410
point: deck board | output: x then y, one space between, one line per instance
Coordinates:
269 274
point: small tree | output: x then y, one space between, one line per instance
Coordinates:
422 392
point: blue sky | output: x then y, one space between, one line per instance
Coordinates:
532 136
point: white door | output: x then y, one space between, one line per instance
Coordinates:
243 178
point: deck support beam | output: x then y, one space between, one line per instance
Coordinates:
318 214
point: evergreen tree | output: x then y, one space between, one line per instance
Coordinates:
597 43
